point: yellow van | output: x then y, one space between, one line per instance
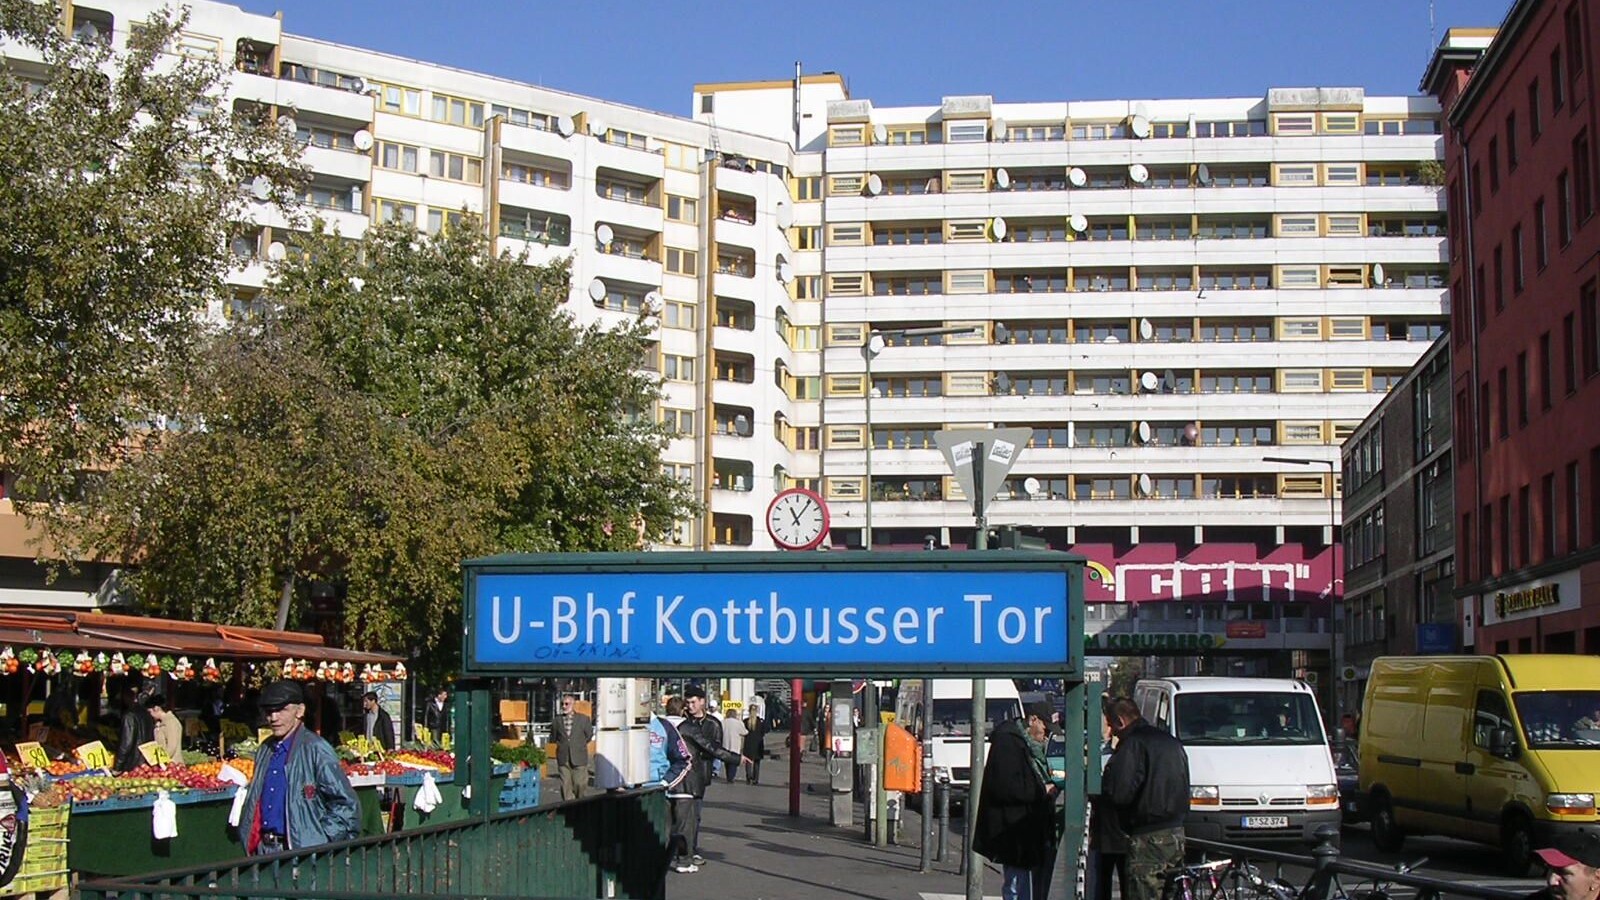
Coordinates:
1502 750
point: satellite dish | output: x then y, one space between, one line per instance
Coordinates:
1138 173
1031 485
1169 381
1002 383
1111 339
261 187
287 123
1203 173
998 228
1077 177
1140 126
1146 330
276 251
1002 179
358 84
1149 381
604 234
785 271
874 184
1377 274
653 302
362 140
1143 430
998 130
598 128
565 126
1078 221
597 290
1144 485
880 134
784 214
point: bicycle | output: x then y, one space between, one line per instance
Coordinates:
1380 889
1182 883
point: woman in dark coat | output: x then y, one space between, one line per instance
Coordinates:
753 748
1016 824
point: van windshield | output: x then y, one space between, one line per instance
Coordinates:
1559 719
1241 718
953 716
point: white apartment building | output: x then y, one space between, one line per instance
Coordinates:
1165 291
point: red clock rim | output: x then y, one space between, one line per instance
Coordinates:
827 519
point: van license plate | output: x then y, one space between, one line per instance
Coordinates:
1266 821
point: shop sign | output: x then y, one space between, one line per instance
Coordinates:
1532 598
1154 643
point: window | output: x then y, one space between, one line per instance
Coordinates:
1341 123
678 422
1564 209
1494 165
1049 132
907 233
531 225
808 287
1299 380
842 284
455 167
1294 123
683 209
400 100
1547 516
1240 128
1490 715
847 234
901 135
1582 176
1541 235
680 261
1343 225
1574 504
966 182
846 185
525 118
1341 174
1503 404
537 174
853 135
1518 275
969 131
1300 329
395 211
1297 225
1546 371
1498 269
807 187
1589 320
679 314
1511 141
1524 526
1558 82
1294 175
1398 175
677 368
456 111
1535 120
973 281
1522 389
326 138
1100 131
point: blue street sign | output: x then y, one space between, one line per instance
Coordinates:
1437 637
864 620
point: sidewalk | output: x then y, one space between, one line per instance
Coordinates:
755 851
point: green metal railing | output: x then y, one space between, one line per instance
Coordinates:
607 845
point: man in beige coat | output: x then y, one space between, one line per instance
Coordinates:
169 731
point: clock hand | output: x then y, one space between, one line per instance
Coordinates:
796 515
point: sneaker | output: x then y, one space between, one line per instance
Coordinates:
698 860
685 868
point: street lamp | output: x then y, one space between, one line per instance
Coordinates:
877 340
1333 561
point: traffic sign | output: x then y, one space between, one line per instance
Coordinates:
1000 449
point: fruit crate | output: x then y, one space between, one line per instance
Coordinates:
53 816
520 793
37 882
44 855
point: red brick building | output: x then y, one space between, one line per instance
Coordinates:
1523 115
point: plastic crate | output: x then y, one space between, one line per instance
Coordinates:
44 856
39 881
39 819
520 793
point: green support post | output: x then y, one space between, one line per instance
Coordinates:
475 722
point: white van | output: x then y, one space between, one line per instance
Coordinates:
951 718
1259 765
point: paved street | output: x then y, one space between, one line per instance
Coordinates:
756 851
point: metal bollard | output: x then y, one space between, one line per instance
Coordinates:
1326 853
941 802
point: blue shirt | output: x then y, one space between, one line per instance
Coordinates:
274 790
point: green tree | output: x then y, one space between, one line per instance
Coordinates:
406 402
123 172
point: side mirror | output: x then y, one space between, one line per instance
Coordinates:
1503 743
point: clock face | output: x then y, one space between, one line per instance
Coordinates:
797 519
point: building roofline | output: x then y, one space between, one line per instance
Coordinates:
1505 41
717 87
1447 53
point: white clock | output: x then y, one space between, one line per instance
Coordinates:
797 519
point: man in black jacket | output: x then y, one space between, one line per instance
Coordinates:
1147 784
1016 824
703 734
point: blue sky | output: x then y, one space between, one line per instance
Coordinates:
649 53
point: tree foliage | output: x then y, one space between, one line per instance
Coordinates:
406 402
123 170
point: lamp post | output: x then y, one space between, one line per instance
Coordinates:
877 340
1333 574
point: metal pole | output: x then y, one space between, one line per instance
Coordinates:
974 788
867 352
880 797
797 704
923 863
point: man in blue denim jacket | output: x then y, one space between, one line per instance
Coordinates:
299 796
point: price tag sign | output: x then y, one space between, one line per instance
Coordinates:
32 755
424 734
445 742
262 734
94 755
155 754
